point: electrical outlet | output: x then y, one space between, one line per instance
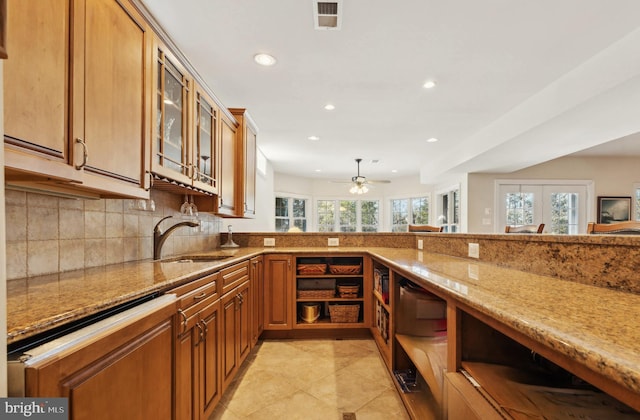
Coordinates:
420 244
333 242
269 241
474 250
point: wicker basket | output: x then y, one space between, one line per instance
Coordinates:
344 313
312 269
316 294
348 290
345 269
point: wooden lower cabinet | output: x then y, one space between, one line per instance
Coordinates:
123 370
236 331
278 292
198 385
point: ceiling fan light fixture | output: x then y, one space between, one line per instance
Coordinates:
359 189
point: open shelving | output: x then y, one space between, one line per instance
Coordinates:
321 283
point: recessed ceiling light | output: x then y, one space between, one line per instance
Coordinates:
394 171
264 59
429 84
313 138
318 170
432 140
329 107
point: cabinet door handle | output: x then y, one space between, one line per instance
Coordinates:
200 333
206 326
200 296
184 321
150 181
85 153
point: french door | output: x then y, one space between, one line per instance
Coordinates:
561 207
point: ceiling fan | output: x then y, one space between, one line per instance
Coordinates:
360 182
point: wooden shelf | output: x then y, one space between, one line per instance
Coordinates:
335 299
378 296
323 323
328 276
429 355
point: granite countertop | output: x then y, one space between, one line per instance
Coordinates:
595 326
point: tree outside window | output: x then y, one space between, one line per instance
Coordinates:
291 212
348 215
409 210
326 215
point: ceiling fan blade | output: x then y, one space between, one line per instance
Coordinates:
379 181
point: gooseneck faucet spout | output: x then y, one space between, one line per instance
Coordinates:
159 237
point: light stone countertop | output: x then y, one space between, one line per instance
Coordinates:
597 327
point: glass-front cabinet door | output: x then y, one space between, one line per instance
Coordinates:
171 152
205 148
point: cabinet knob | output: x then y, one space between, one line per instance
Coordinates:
85 153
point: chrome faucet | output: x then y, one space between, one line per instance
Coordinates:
159 237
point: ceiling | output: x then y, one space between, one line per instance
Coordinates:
517 82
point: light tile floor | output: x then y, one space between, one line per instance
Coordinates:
312 379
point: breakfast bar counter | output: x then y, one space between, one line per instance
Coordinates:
594 327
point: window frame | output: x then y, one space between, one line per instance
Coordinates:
337 223
290 197
410 210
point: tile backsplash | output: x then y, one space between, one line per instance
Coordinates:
47 234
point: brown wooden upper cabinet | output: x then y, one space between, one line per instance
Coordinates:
247 134
237 182
186 125
75 96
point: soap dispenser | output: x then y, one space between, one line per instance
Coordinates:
230 243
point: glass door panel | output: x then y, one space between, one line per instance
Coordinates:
171 116
204 159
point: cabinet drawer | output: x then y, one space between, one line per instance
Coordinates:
196 290
232 276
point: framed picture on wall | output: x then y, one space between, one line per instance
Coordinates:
614 209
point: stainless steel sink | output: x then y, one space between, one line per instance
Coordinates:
195 258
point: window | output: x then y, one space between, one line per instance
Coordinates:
560 206
449 210
348 215
291 212
405 211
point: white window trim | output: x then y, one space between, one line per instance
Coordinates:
589 184
428 195
440 191
358 209
310 209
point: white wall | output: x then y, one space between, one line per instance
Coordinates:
315 189
612 176
265 206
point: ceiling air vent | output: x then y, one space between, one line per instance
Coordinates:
327 14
